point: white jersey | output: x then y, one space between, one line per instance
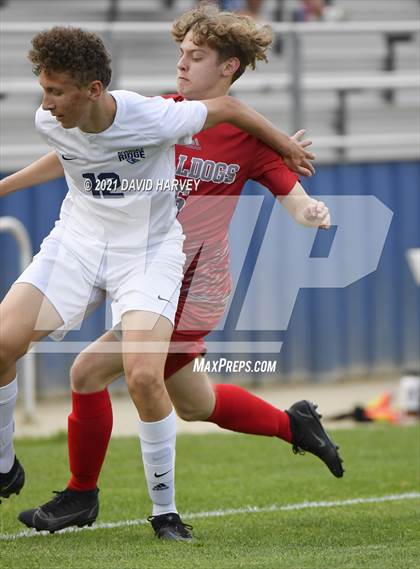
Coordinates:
121 181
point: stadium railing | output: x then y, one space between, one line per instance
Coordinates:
413 259
17 230
295 81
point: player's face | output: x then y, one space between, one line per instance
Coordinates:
200 75
65 100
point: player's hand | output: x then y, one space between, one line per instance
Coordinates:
317 214
299 159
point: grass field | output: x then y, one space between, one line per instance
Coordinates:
220 473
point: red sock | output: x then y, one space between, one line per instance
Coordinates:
238 410
89 431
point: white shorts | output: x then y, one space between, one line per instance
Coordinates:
75 277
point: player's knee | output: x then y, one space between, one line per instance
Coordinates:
189 413
143 382
78 375
10 352
84 376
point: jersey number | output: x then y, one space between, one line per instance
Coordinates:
103 185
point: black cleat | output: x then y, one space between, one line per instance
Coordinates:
27 517
12 482
68 508
171 527
309 435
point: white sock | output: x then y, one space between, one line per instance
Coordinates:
157 441
8 396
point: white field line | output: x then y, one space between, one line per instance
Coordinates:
221 513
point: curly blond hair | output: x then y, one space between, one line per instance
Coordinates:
64 49
230 35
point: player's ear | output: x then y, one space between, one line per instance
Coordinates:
230 66
95 90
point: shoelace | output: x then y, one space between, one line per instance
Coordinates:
63 498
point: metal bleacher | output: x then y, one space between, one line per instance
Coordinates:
146 61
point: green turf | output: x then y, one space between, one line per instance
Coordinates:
220 472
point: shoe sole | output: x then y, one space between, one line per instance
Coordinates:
17 492
80 525
173 538
59 528
21 482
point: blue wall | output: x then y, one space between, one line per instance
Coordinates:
370 326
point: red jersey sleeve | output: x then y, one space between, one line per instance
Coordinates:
270 171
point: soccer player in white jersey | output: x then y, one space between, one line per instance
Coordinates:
114 234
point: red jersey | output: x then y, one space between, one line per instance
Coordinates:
220 161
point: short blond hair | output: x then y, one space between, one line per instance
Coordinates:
230 35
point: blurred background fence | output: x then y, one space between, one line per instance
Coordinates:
353 84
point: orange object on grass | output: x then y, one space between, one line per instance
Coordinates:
380 409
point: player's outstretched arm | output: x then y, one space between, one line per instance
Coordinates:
40 171
306 210
229 109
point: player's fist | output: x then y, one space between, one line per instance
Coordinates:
317 214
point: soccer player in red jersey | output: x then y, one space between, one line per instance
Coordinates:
215 49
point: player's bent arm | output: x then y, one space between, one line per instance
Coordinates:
229 109
40 171
304 209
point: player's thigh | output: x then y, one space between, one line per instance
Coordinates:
65 270
191 393
98 365
26 315
145 344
